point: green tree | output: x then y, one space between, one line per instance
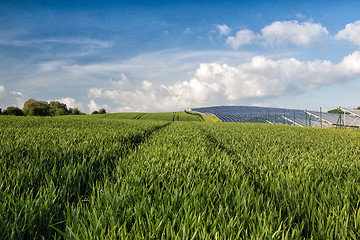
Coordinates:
336 110
61 111
95 112
14 111
57 108
102 111
39 111
31 103
75 111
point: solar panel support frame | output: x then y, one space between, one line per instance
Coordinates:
340 122
348 111
293 122
351 113
318 118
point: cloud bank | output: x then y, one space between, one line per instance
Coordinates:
214 83
177 79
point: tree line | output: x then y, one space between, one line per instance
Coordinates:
33 107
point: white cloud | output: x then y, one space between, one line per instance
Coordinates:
301 16
71 103
223 29
215 84
121 82
242 37
95 107
281 33
350 33
75 41
351 64
51 66
302 34
168 66
155 81
10 98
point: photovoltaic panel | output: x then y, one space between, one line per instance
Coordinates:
348 119
285 116
354 112
256 114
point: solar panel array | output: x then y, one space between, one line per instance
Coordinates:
348 120
284 116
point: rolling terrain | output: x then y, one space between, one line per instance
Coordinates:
165 116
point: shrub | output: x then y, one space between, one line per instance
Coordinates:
14 111
76 111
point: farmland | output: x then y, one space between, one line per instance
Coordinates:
103 177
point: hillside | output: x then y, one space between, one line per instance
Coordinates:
165 116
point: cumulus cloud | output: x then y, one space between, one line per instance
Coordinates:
281 33
168 66
214 83
121 82
302 34
242 37
350 65
95 107
144 98
10 98
71 103
223 29
350 33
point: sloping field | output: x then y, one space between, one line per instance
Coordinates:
93 178
166 116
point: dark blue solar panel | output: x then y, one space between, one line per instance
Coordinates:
260 115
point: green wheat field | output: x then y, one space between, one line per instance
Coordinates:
174 176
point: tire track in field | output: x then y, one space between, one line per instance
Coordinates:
134 141
251 172
139 116
140 138
85 179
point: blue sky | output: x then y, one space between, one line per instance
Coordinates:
174 55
